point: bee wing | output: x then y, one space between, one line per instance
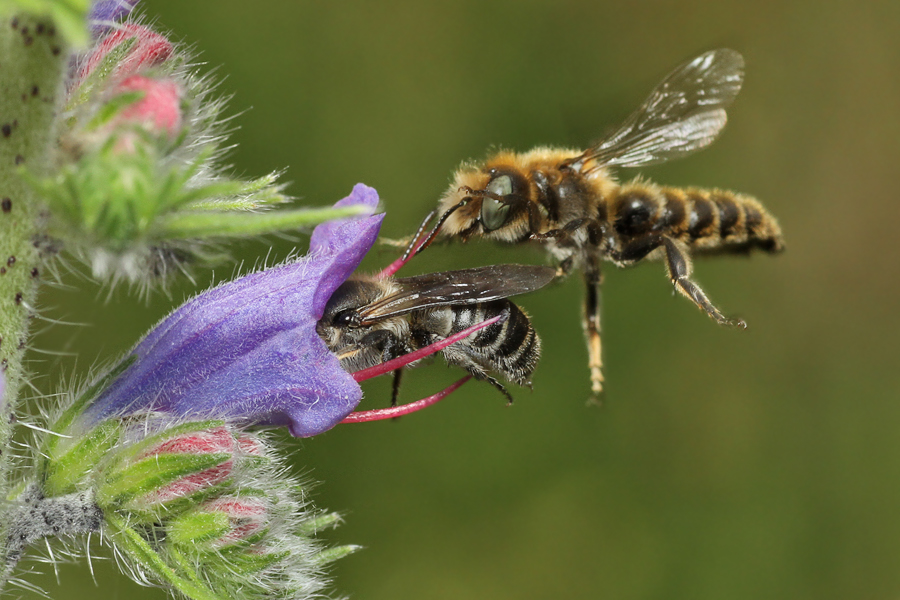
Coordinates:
683 114
467 286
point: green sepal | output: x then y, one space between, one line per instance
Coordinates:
261 192
168 433
153 473
112 107
62 426
197 527
318 523
62 473
101 72
188 581
330 555
247 562
125 480
69 16
203 225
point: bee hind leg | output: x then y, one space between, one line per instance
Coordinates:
500 388
478 372
591 322
678 265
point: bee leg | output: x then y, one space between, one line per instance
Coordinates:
563 233
565 266
478 372
591 321
678 264
499 386
395 386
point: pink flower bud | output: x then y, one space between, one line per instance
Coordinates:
248 516
150 48
160 108
212 441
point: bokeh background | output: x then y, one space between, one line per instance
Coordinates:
722 463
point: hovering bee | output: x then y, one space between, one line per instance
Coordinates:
569 201
371 320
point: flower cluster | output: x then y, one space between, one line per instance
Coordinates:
135 188
204 507
157 451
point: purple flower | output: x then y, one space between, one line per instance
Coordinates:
248 350
106 12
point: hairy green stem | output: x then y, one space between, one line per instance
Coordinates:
32 61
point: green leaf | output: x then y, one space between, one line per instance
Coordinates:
206 225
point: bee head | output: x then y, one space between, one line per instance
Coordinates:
343 308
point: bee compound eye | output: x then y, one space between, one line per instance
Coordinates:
501 186
344 318
493 214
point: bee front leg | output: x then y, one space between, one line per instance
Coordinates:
563 234
591 321
678 264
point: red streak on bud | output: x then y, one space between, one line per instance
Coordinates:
150 48
212 441
250 446
159 109
247 516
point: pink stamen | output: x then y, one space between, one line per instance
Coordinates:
402 361
363 416
395 266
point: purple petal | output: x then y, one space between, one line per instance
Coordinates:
248 349
105 13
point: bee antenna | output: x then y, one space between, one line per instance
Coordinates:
363 416
409 252
415 247
402 361
437 226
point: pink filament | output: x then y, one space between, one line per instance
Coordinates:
363 416
395 266
402 361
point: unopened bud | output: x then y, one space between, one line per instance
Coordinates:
184 466
221 523
159 110
148 48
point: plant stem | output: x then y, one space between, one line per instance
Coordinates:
32 61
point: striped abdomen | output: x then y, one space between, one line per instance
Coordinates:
511 347
706 220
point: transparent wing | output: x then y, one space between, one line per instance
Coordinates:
683 114
467 286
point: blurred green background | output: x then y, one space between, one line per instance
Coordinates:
722 464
